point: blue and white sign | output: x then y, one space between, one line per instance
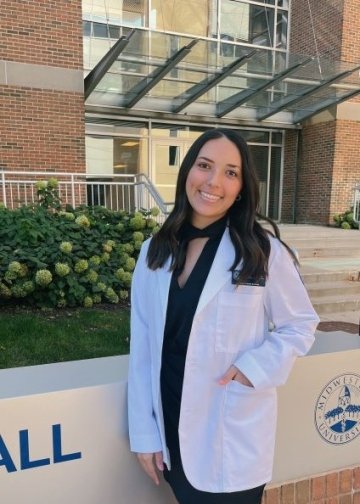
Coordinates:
337 411
26 461
63 428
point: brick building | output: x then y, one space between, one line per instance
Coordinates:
329 165
178 70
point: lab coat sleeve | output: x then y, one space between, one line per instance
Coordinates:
289 309
143 430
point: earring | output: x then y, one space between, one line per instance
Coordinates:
238 197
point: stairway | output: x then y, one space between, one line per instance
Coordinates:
330 267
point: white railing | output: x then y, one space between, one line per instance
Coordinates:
116 192
357 205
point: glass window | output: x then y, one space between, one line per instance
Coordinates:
234 21
281 29
106 156
176 131
259 157
262 26
130 155
277 138
129 12
100 30
174 155
255 136
275 179
114 31
114 156
197 17
134 12
243 22
86 28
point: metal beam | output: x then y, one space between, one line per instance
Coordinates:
238 99
285 102
205 85
301 116
168 117
97 73
151 80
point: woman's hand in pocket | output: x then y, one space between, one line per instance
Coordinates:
233 373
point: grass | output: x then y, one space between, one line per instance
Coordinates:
31 337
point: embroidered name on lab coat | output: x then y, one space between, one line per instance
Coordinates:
252 282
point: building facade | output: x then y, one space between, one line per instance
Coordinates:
159 72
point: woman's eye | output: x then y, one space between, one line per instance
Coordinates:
232 173
203 165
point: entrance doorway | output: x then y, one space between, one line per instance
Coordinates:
167 156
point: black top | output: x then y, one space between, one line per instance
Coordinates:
182 304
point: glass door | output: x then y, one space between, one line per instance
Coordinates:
167 156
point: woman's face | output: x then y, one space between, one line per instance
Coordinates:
214 181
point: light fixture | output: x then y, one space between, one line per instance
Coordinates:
129 144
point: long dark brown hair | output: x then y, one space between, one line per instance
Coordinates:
250 239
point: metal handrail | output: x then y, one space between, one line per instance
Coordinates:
115 191
356 209
164 206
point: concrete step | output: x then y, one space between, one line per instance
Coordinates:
330 268
333 304
334 251
316 242
334 264
338 288
327 276
306 231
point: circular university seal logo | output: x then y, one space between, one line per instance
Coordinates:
337 410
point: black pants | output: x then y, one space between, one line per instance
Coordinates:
185 493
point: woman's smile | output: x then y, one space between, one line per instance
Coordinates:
209 197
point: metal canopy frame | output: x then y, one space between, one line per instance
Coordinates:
308 81
229 104
157 75
98 72
205 85
301 116
285 102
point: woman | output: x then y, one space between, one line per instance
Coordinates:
204 362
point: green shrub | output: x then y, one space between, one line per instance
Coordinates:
346 220
47 192
345 225
77 257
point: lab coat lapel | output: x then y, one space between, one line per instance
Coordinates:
163 279
219 272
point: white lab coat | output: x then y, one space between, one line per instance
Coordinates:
226 433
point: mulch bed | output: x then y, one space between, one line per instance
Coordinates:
339 326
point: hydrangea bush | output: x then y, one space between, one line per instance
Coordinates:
56 258
346 220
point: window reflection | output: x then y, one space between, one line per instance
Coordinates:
128 12
197 17
281 29
259 157
253 24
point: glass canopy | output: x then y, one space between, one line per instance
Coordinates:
174 74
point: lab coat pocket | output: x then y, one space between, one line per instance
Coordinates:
236 386
249 429
236 320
